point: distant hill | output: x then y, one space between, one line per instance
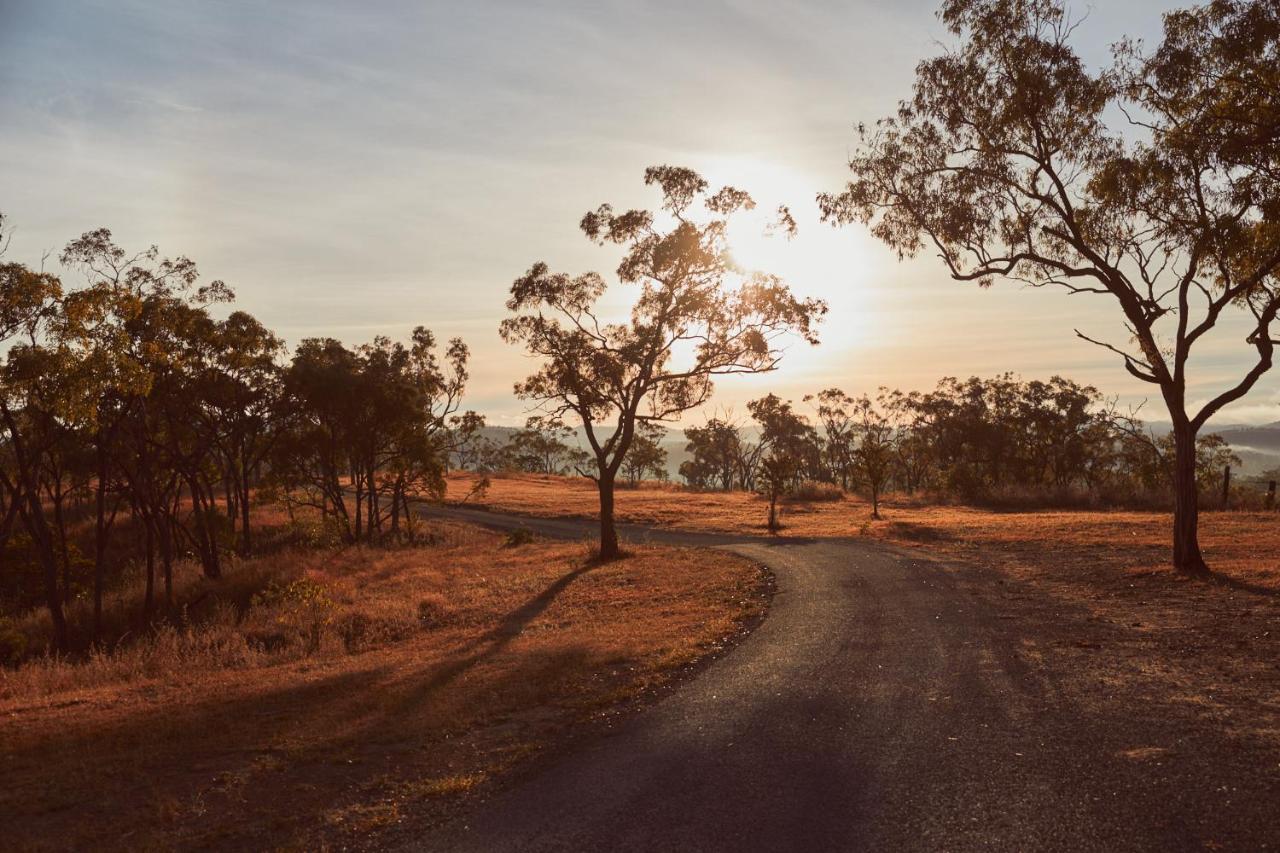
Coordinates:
1265 437
1257 446
673 443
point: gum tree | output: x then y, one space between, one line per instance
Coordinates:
1008 163
697 315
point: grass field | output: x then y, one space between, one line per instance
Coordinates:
1088 593
1242 546
358 686
325 696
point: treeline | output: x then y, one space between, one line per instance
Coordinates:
545 446
128 402
975 439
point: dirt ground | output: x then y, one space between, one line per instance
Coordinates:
500 652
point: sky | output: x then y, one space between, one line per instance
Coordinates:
357 169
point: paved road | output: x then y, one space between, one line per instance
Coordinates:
878 707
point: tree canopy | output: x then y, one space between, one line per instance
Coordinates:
1007 162
697 315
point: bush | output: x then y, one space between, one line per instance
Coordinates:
302 606
432 612
815 490
360 632
13 643
517 537
311 532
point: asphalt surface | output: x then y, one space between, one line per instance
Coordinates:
878 707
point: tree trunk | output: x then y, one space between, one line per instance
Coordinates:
229 496
60 521
52 598
149 601
397 489
246 542
358 479
204 511
408 517
42 538
99 535
1187 558
608 532
166 562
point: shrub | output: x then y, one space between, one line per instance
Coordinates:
13 643
815 490
517 537
302 606
432 611
360 631
313 532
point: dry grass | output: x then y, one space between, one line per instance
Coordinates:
1243 546
1087 597
277 533
358 687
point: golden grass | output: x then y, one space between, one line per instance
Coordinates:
1241 545
382 684
1085 599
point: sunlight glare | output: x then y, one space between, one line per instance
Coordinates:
819 261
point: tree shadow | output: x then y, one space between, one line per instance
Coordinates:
249 741
498 638
920 532
1243 586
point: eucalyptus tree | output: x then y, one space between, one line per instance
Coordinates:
30 307
874 445
1007 162
309 461
836 420
243 406
146 335
467 441
785 440
647 458
544 446
717 450
697 316
373 421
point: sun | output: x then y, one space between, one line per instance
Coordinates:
837 265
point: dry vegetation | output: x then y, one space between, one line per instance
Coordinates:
1244 547
1087 595
321 696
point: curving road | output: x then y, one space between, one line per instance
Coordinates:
882 705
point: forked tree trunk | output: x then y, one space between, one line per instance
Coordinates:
1187 558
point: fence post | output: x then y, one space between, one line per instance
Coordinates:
1271 494
1226 485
